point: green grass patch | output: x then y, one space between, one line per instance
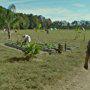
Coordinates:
43 70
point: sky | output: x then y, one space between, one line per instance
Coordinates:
68 10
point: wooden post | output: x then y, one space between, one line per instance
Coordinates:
65 46
60 48
9 34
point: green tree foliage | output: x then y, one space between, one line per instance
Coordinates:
23 21
12 20
7 19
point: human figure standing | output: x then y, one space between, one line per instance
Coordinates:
87 55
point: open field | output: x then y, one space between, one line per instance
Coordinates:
46 70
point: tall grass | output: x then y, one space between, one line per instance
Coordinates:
43 70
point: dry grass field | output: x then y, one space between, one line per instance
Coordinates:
45 70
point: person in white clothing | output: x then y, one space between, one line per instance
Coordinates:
27 39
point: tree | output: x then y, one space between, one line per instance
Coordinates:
8 19
23 21
48 23
12 7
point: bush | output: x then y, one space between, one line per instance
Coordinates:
32 49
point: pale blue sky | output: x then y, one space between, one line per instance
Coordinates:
55 9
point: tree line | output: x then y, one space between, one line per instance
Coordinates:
11 20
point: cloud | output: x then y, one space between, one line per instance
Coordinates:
44 10
57 13
79 5
53 13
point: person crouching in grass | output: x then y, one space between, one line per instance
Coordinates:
26 39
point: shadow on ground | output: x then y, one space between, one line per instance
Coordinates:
17 59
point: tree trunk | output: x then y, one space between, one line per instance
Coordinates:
65 46
9 34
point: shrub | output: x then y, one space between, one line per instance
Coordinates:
32 49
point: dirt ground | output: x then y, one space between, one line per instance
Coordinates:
80 81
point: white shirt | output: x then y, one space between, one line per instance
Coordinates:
27 38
